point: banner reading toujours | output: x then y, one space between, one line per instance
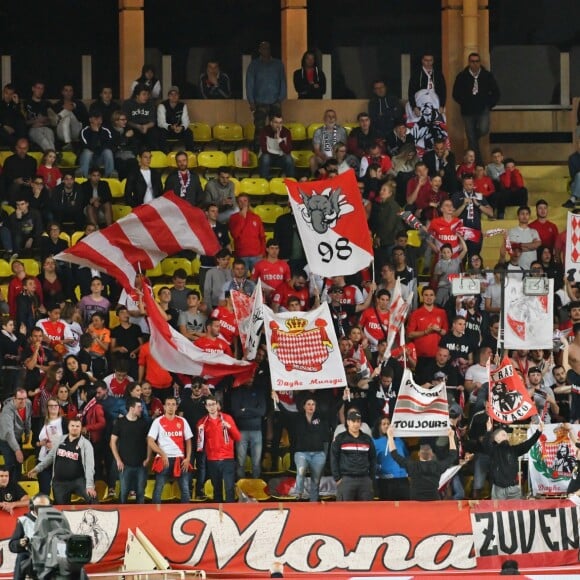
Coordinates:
420 412
332 224
302 350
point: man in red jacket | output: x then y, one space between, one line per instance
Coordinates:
513 191
216 434
247 230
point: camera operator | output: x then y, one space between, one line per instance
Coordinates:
73 466
20 540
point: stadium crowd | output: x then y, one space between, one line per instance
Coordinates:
78 376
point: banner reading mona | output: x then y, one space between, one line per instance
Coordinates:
303 350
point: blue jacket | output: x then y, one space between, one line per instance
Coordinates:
265 82
387 468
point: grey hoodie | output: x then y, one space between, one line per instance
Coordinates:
11 424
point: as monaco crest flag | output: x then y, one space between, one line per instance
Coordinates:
420 412
303 350
508 397
332 224
140 240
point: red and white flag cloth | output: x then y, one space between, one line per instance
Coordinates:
527 322
398 312
332 224
250 318
140 240
420 412
302 350
177 354
572 256
509 400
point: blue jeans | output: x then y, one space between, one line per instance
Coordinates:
88 158
575 186
222 473
253 439
476 127
314 461
133 479
5 238
285 162
480 471
167 473
251 261
10 462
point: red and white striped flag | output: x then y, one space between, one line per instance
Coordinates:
179 355
142 239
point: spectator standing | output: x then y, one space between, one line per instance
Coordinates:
476 91
384 109
353 461
73 466
170 439
265 87
309 80
15 421
130 450
574 170
148 79
248 233
216 434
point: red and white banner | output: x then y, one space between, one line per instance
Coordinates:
528 320
572 256
332 224
250 318
398 312
509 400
142 239
302 350
420 412
177 354
552 459
349 539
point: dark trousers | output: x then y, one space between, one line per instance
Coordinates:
200 471
262 114
10 462
355 489
394 489
511 198
63 490
222 474
186 137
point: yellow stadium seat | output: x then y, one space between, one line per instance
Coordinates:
63 236
120 211
312 127
278 187
117 188
28 464
4 155
269 212
230 132
156 272
249 131
158 160
68 159
254 488
212 159
169 265
237 185
7 208
302 158
413 238
157 287
31 266
348 127
30 487
102 490
80 180
4 293
5 269
38 155
269 236
195 266
234 161
113 319
254 186
297 130
75 237
201 132
191 159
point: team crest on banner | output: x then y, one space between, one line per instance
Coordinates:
527 319
508 397
303 350
420 412
551 461
572 259
332 224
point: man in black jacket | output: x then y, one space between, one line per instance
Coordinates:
353 461
97 143
441 161
384 109
97 194
184 182
426 471
503 460
476 91
427 77
12 125
173 121
68 203
143 184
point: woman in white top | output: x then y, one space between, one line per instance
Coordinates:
53 429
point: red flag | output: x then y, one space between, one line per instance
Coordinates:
142 239
509 400
332 224
179 355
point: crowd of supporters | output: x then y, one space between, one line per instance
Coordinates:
76 363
